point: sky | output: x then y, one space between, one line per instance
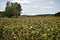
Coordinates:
35 7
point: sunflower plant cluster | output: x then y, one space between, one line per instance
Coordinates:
30 28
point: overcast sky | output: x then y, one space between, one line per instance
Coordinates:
32 7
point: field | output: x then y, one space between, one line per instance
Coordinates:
30 28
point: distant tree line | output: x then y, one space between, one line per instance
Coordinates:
12 9
1 14
57 14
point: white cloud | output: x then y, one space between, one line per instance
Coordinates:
47 7
2 6
21 1
51 2
43 7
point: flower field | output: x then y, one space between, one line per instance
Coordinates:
30 28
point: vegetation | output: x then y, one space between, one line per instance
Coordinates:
1 14
57 14
12 9
30 28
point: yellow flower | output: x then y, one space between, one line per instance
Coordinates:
31 27
33 31
51 28
48 29
12 33
44 35
14 36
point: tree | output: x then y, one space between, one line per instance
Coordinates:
57 14
9 12
17 8
12 9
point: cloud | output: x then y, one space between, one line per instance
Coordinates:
21 1
2 6
46 7
51 2
41 7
